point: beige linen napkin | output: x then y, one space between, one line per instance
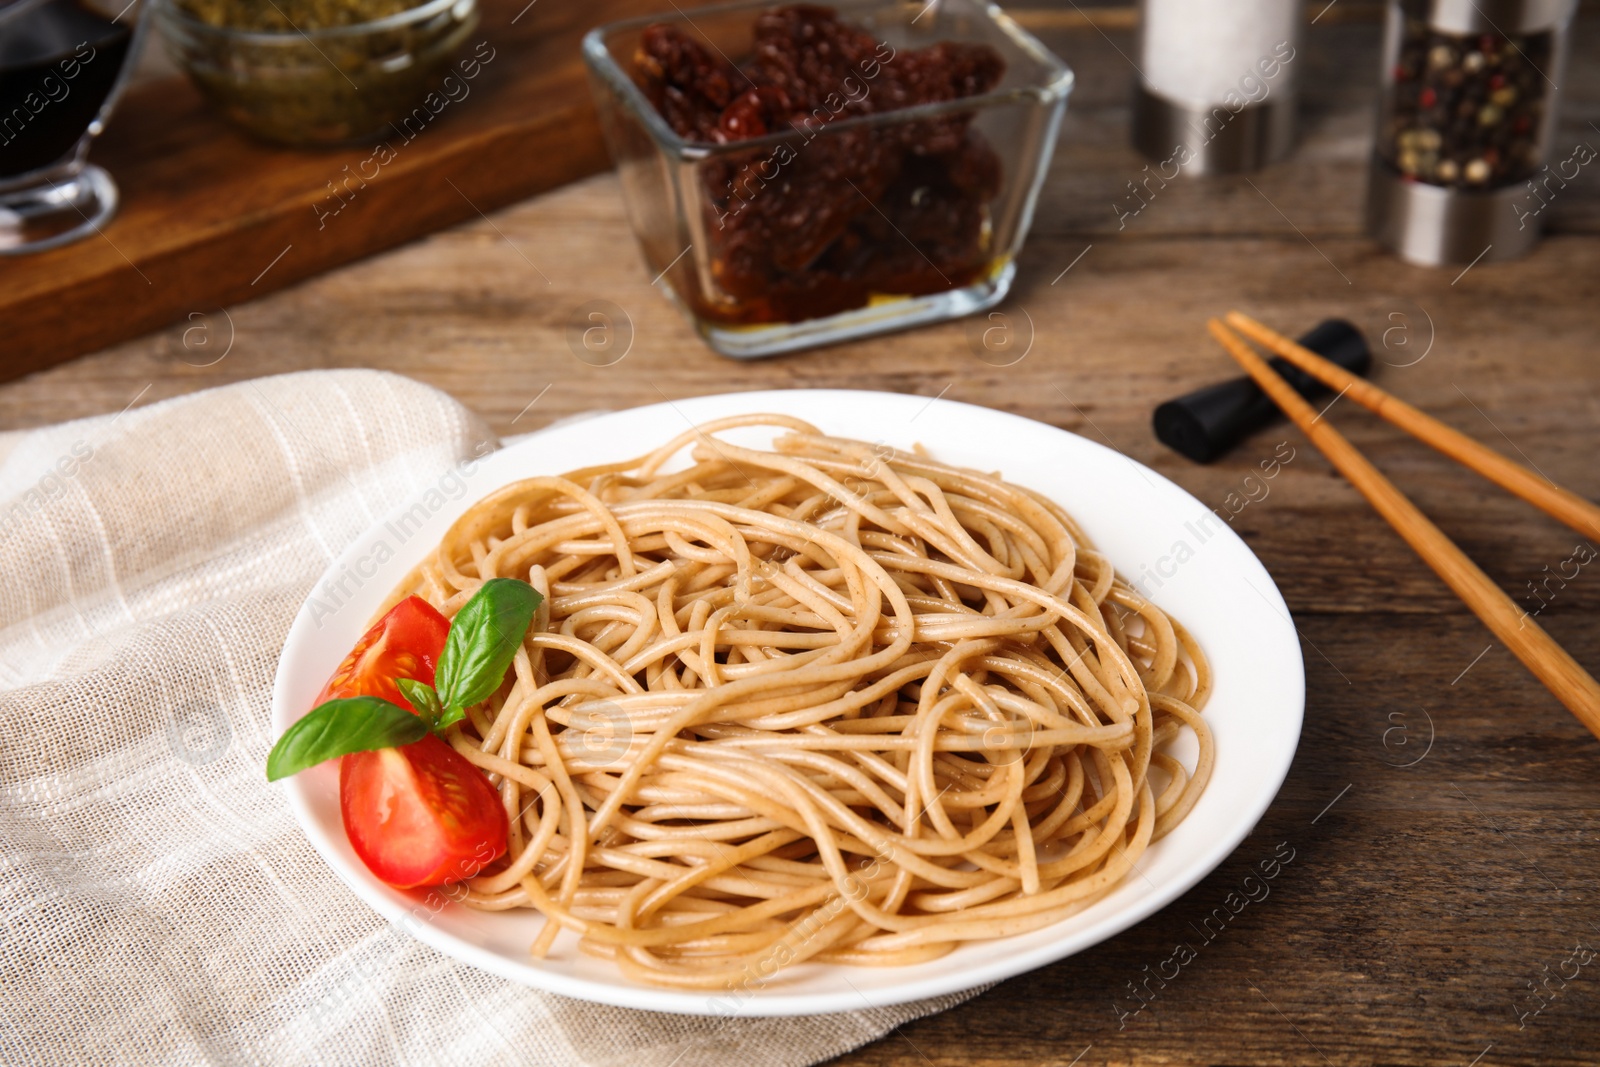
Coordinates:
158 903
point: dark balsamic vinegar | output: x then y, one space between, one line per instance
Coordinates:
58 63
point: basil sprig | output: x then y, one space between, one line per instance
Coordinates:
482 641
354 724
484 637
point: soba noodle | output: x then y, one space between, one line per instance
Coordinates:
827 702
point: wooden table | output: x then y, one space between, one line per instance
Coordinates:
1442 807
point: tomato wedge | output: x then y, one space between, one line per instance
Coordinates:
405 643
419 814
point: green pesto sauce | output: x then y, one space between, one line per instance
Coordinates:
279 15
339 90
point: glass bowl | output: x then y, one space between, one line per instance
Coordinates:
697 208
333 86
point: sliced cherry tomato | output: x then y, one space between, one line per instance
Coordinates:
420 814
405 643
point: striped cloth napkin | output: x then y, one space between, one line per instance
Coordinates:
158 903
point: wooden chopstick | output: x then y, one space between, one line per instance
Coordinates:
1537 650
1558 503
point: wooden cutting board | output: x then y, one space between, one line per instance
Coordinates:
210 217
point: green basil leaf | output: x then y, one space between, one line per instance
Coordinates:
484 638
421 696
447 718
339 727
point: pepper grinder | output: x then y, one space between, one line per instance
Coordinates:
1465 119
1216 86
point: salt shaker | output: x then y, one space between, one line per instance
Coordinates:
1216 86
1470 90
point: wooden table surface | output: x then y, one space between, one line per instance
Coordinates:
1441 906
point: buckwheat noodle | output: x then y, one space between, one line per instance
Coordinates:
827 702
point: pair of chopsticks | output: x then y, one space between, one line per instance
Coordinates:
1537 650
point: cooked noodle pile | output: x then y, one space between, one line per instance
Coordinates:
827 702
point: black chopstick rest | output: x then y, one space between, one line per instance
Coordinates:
1208 422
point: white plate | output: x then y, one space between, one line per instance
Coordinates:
1182 555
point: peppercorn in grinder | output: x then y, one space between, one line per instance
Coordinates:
1466 115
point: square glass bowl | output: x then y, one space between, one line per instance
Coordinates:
734 229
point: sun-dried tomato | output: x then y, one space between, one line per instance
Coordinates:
687 85
822 221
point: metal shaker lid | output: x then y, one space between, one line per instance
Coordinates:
1502 17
